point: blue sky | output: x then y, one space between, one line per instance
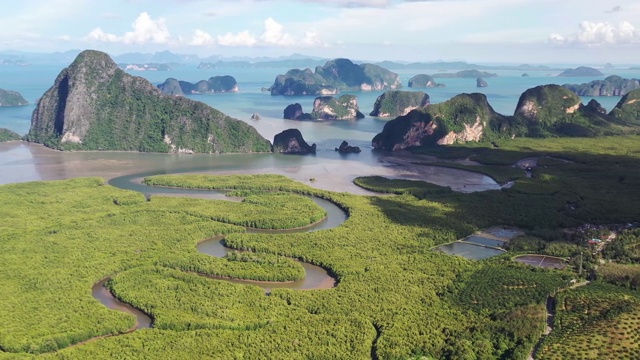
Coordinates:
498 31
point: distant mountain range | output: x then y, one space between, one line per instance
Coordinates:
301 61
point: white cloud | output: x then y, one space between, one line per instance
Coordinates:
274 34
99 35
201 38
145 30
352 3
311 38
598 33
243 38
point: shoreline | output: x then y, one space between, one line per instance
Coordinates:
26 161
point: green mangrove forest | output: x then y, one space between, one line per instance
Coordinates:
396 298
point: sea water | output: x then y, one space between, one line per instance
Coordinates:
503 93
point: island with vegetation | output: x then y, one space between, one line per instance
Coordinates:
215 84
94 105
613 85
466 74
423 81
394 103
8 135
335 75
581 71
344 107
543 111
12 98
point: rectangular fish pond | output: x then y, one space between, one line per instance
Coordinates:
469 251
480 240
481 245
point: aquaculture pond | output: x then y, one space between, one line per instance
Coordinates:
549 262
482 244
479 240
469 251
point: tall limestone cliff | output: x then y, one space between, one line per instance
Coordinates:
465 117
94 105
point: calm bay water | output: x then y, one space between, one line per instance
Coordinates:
502 92
25 162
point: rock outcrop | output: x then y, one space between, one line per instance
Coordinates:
480 82
12 98
595 107
293 112
255 116
345 148
525 75
406 131
470 74
581 71
465 117
216 84
547 102
343 108
611 86
8 135
335 75
94 105
549 110
423 81
552 110
397 103
326 108
291 141
628 108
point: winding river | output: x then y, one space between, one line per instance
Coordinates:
315 276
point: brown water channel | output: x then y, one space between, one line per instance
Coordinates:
315 276
100 292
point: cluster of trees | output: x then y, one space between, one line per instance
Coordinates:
381 184
620 274
594 322
8 135
395 298
625 247
500 287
